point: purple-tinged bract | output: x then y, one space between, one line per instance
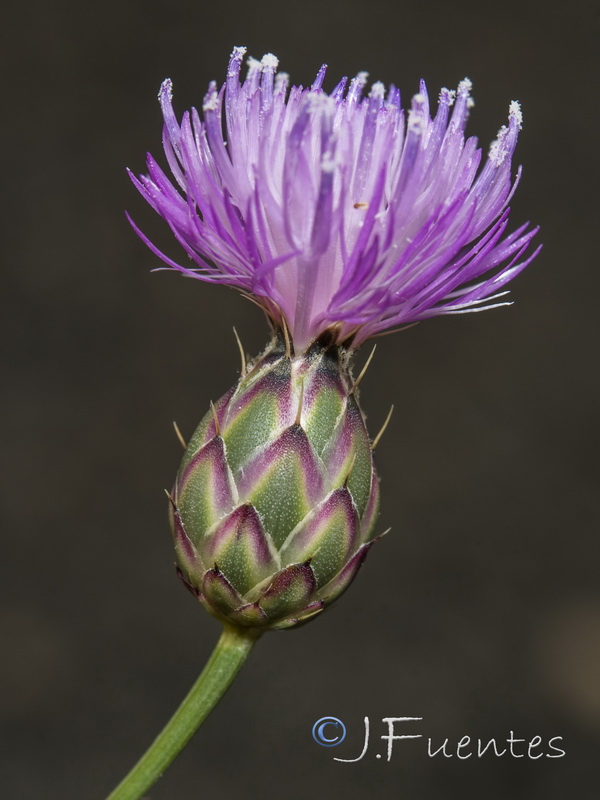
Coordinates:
338 211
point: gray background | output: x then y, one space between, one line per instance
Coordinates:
479 612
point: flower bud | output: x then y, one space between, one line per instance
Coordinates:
275 501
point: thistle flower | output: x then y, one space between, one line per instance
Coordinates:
342 216
337 212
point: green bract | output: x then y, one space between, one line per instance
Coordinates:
276 497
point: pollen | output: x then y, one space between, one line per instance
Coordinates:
253 64
377 91
211 99
465 86
269 61
514 112
447 96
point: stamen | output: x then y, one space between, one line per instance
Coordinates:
447 97
253 65
498 150
281 82
465 86
377 91
514 112
356 86
269 61
238 53
211 98
166 88
318 81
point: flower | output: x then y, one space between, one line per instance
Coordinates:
337 211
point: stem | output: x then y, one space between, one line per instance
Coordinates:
232 649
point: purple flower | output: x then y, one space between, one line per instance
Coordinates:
338 211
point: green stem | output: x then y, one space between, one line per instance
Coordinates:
226 660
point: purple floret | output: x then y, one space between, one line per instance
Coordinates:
338 211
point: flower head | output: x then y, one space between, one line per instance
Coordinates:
338 211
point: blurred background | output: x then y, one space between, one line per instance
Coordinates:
479 612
